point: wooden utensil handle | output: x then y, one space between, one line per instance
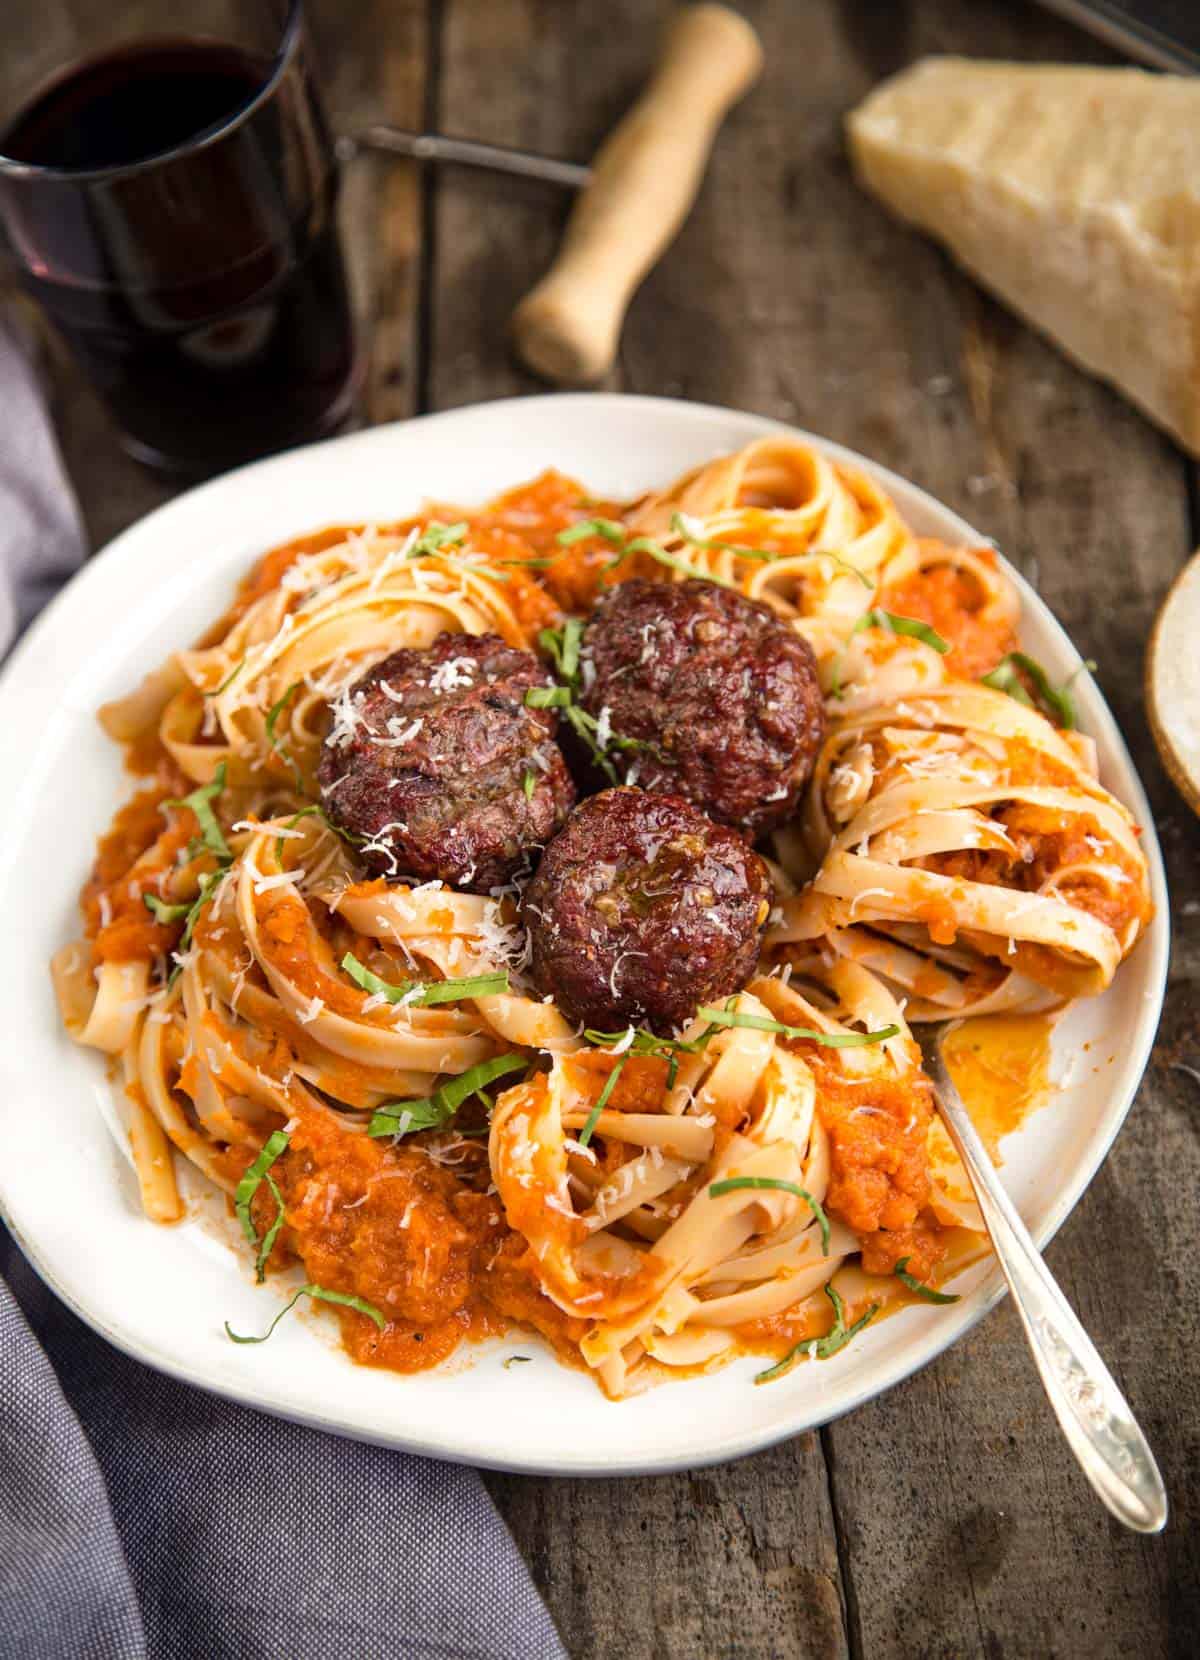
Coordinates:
645 179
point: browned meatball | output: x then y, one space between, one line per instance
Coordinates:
642 909
435 760
724 696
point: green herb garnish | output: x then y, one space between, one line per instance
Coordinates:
609 529
200 802
562 645
617 535
529 784
319 1294
1054 701
255 1174
163 912
919 1286
828 1040
428 1113
593 1117
229 678
643 544
425 993
892 623
436 536
207 882
649 1043
273 743
548 697
732 1184
822 1348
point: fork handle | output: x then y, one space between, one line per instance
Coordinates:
1092 1412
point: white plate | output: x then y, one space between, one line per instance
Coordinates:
162 1294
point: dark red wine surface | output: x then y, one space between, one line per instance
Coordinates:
205 293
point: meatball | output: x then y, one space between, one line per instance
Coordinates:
436 762
642 909
722 694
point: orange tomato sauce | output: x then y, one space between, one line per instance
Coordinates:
1001 1064
949 600
389 1225
133 856
879 1177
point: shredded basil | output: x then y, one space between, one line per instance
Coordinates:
828 1040
163 912
207 881
200 802
562 647
436 1109
648 1043
319 1294
562 644
643 544
437 536
892 623
919 1286
1055 701
609 529
272 1233
732 1184
548 697
229 678
593 1117
822 1348
255 1174
273 714
425 993
617 535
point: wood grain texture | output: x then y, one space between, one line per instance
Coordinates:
963 1526
946 1519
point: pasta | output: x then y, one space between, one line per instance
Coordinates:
365 1065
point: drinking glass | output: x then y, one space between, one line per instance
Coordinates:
168 191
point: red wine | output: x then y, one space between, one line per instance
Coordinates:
186 246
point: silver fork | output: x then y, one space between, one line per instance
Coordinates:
1093 1414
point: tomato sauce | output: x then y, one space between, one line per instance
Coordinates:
1001 1064
879 1180
116 918
950 601
392 1227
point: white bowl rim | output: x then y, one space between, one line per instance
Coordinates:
747 1438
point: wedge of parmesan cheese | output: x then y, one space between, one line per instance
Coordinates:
1074 194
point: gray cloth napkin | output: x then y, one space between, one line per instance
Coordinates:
141 1519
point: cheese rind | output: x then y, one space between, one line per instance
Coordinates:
1074 194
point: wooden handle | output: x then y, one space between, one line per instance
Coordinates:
644 181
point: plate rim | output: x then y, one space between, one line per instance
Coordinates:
886 1374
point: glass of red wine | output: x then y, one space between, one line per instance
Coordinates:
169 193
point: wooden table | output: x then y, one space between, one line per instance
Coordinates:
945 1519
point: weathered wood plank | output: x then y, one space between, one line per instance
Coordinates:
964 1527
550 78
739 1562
